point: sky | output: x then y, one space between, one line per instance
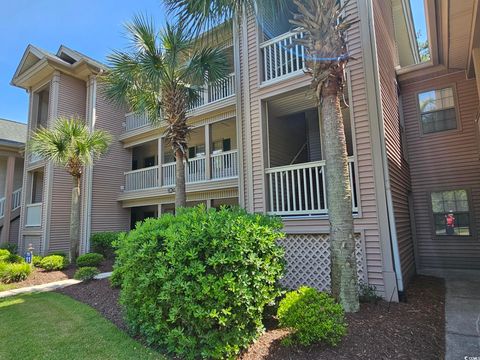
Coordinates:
418 12
92 27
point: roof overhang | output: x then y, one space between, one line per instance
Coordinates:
37 64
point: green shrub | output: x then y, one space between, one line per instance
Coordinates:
10 273
368 293
196 284
36 260
13 259
53 262
12 248
86 273
89 259
313 316
59 253
4 253
102 242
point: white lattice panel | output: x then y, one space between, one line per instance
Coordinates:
308 260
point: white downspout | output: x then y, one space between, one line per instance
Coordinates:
388 192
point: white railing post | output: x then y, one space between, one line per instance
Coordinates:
141 179
224 165
16 198
207 152
2 207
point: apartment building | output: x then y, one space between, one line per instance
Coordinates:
411 137
12 143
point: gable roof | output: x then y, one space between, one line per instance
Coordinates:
13 133
37 63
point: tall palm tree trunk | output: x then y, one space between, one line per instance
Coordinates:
339 197
180 193
75 219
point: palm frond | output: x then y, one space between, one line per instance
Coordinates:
70 144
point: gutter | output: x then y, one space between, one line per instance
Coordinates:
388 192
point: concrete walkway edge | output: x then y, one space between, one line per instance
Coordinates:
48 287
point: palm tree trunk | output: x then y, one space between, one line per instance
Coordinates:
342 242
180 192
75 220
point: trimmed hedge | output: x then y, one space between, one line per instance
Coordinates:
90 259
86 273
14 272
102 242
196 284
314 317
53 262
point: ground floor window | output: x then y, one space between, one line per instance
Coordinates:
451 212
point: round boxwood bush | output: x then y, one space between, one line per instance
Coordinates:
196 284
102 242
36 260
4 253
89 259
86 273
313 316
14 272
53 262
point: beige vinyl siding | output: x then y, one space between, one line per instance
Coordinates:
443 161
14 231
398 168
106 212
71 101
367 222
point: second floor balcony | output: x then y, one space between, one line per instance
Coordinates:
211 93
222 166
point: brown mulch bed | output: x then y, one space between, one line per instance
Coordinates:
40 276
411 330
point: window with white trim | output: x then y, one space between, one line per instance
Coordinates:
437 110
451 212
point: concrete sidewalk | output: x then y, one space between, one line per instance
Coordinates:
462 313
48 287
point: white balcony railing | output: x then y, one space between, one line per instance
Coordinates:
33 215
2 207
300 189
211 94
16 199
281 57
224 165
195 170
135 121
215 92
141 179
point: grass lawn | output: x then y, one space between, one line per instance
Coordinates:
54 326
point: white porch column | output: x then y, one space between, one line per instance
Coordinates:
8 199
160 162
208 174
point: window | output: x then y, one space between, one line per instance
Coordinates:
451 212
437 110
196 151
221 145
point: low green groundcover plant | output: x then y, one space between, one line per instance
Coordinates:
13 259
313 316
196 284
102 242
53 262
4 254
86 273
14 272
36 260
90 259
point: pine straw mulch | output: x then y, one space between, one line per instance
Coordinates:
40 276
411 330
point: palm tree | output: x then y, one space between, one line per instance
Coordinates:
72 145
323 30
162 75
